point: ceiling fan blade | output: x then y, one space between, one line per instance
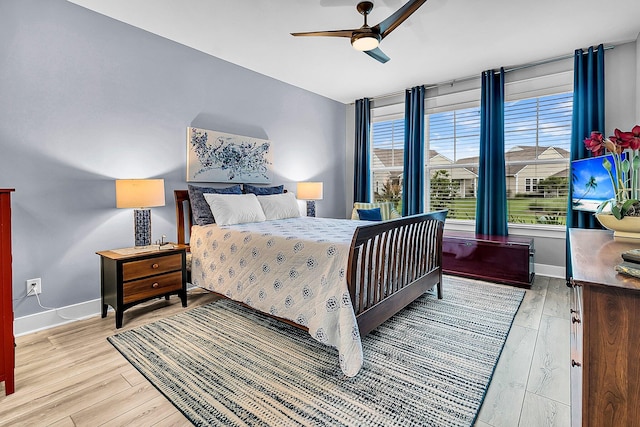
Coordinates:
398 17
377 54
334 33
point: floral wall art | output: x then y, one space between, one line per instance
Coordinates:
221 157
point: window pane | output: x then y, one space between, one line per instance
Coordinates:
537 143
387 140
453 142
453 189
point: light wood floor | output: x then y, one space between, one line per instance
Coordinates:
71 376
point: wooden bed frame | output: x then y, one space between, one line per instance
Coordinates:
391 263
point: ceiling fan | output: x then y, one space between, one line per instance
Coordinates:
368 38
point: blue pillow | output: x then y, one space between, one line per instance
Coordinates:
370 214
200 209
263 191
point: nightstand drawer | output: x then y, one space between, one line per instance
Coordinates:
147 267
151 286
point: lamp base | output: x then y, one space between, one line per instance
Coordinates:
142 228
311 208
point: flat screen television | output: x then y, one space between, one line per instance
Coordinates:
591 183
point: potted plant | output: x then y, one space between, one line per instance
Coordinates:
625 177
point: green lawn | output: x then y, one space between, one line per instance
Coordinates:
522 210
551 210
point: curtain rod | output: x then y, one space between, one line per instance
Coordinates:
506 70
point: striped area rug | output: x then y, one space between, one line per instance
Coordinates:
430 365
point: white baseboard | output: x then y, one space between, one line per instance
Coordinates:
550 270
71 313
52 318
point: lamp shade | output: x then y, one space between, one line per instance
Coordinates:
309 191
139 193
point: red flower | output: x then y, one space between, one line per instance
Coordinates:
595 143
619 140
631 139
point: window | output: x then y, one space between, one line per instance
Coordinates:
531 185
537 144
537 114
452 152
387 160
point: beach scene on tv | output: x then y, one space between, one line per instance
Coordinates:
591 184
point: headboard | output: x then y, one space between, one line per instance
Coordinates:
184 219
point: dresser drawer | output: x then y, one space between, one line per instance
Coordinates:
575 338
151 266
151 286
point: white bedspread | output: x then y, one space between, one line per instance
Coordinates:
293 268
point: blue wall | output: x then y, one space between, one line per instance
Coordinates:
85 99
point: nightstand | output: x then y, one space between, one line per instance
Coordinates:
130 277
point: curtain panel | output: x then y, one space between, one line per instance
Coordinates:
491 206
362 155
588 115
413 189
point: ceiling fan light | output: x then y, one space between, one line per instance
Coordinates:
365 42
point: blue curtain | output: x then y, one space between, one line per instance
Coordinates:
491 203
588 115
362 155
413 186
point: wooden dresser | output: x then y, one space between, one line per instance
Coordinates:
7 351
605 333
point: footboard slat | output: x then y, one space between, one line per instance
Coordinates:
393 262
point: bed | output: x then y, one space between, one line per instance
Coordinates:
337 279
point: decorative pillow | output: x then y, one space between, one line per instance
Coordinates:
279 206
263 191
387 209
370 214
231 209
200 209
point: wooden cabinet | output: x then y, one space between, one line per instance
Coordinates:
503 259
7 351
605 333
127 280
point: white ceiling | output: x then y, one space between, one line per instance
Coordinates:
442 41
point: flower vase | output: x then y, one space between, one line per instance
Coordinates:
625 229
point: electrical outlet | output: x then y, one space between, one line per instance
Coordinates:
34 285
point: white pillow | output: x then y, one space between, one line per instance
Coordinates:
279 206
228 209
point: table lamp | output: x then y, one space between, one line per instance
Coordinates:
310 191
140 194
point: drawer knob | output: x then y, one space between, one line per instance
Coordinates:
155 266
575 364
155 285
